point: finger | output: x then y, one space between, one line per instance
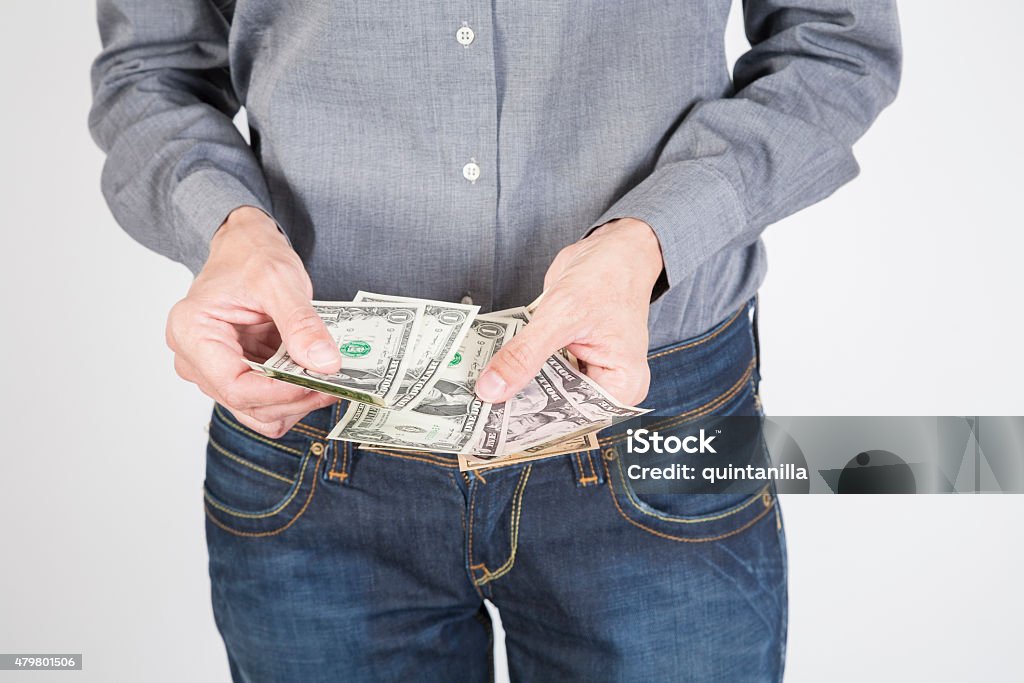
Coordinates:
302 331
251 390
283 411
627 385
520 360
260 342
216 357
274 430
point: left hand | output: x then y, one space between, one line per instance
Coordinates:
597 293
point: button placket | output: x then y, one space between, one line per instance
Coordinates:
472 127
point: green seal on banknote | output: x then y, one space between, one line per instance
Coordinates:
456 360
354 348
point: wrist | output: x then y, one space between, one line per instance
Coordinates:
250 226
640 240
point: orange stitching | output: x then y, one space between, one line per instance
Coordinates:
335 445
296 486
472 508
588 480
334 461
678 539
764 495
242 461
344 446
517 509
696 412
274 532
307 430
579 465
590 461
716 403
472 514
702 340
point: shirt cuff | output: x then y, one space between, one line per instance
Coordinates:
694 211
202 202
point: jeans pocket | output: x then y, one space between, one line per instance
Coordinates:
687 517
256 486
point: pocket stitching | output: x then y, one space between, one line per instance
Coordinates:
708 336
651 512
296 485
700 411
242 461
682 539
307 430
272 532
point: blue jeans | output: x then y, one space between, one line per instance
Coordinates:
334 563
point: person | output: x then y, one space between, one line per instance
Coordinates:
599 153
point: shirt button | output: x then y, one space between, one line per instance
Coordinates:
467 300
465 36
471 171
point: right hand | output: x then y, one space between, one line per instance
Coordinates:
252 294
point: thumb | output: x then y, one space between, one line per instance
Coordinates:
520 360
303 332
628 386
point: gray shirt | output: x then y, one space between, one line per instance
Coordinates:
444 149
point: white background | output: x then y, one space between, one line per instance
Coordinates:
899 295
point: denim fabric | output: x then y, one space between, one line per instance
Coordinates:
333 563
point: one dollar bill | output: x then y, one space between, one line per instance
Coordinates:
438 337
449 416
374 340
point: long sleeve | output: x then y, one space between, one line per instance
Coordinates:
162 111
817 75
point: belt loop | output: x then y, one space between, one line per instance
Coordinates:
339 460
586 470
340 465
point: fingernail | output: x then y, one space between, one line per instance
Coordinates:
490 386
323 354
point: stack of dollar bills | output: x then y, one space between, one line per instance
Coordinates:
409 371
